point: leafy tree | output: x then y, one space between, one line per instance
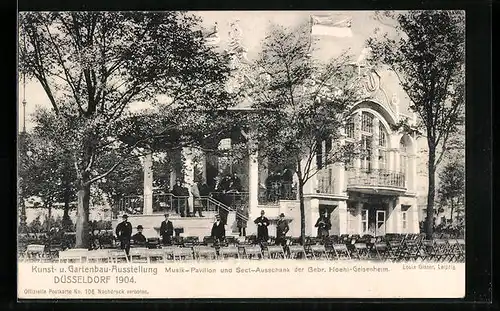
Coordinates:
299 103
451 189
429 58
46 173
94 65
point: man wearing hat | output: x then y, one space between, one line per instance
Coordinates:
166 231
323 224
123 233
139 238
218 230
281 230
262 223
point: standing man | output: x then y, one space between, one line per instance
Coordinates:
204 193
281 230
166 231
197 205
123 233
323 224
177 199
218 230
241 219
262 223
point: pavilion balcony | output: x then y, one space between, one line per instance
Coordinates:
377 179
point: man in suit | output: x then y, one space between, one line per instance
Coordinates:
123 233
262 223
218 230
139 238
323 224
178 199
281 230
166 231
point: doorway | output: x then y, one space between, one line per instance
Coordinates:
373 219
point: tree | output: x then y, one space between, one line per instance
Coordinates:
299 103
429 59
451 189
46 173
94 65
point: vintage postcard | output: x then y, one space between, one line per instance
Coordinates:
195 154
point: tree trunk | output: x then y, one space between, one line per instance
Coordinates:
66 221
302 212
430 192
82 219
451 211
49 217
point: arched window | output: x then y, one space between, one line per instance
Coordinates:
349 128
367 122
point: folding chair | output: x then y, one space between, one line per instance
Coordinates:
341 251
156 256
190 241
276 252
168 252
382 251
453 250
204 252
231 240
208 241
35 252
153 243
183 253
139 254
461 250
427 250
441 249
410 250
361 251
297 251
99 256
395 249
73 255
118 255
253 251
230 251
318 251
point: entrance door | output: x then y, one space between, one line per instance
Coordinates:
380 220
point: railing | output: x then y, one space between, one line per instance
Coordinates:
375 178
169 203
277 191
326 181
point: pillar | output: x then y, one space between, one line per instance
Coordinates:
342 207
375 138
357 136
359 207
253 182
148 184
188 175
313 217
204 167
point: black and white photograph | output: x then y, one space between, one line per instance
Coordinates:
216 145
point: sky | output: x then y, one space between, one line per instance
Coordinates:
254 25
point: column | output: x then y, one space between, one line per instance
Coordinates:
359 207
313 213
187 154
342 207
148 184
412 173
253 181
340 172
204 167
357 136
375 138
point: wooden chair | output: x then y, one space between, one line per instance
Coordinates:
99 256
361 251
318 251
183 253
276 252
169 252
118 255
230 251
157 256
297 251
35 252
73 255
204 252
139 254
253 251
341 251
